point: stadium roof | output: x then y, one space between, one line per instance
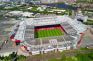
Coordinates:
24 30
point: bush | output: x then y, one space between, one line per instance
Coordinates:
12 57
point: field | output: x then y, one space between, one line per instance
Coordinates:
49 33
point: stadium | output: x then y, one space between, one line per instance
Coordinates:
45 34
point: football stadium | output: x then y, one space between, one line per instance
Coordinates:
48 31
45 34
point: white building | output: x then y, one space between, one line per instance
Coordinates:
4 0
20 13
56 1
80 16
49 1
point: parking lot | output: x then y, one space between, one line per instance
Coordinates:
6 25
87 39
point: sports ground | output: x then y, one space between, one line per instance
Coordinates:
49 32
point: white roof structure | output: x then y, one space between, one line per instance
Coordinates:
24 32
15 12
30 8
81 16
77 26
27 14
21 13
40 9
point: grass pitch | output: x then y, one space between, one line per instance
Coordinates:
48 33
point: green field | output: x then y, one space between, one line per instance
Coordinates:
48 33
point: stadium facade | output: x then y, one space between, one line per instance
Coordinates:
40 35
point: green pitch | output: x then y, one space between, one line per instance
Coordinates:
48 33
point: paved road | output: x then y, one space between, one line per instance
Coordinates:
8 48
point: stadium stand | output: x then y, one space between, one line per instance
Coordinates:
28 30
